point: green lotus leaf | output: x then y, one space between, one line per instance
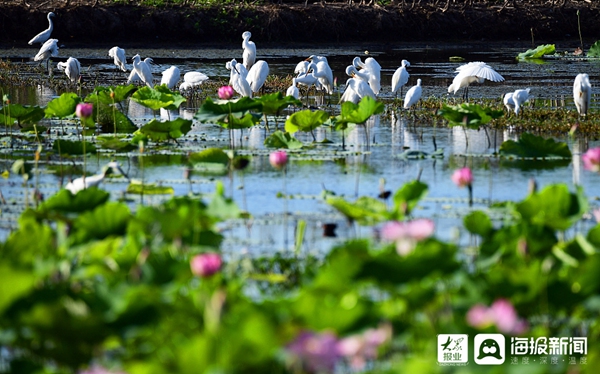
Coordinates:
211 156
274 103
215 111
63 106
305 120
65 202
473 116
73 147
539 52
158 97
21 114
167 130
285 140
102 94
594 50
149 189
365 210
105 220
361 112
530 145
115 143
108 116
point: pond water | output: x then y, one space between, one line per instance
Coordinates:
358 170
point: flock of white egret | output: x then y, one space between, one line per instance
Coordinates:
247 78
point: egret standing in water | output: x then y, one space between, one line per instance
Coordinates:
413 95
143 71
257 75
249 47
170 77
118 55
293 90
238 77
72 68
192 79
322 71
133 76
372 69
400 78
44 35
355 90
582 93
473 72
48 49
86 182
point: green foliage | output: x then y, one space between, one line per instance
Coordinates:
594 50
282 140
159 97
472 116
73 147
149 189
218 111
63 106
20 114
539 52
358 113
274 103
305 120
530 145
161 131
115 144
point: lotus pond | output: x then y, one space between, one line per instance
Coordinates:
351 258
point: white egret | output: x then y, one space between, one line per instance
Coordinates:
133 76
48 49
473 72
400 78
143 71
118 55
257 75
372 69
355 90
301 67
582 93
86 182
249 56
509 103
293 90
72 68
413 95
238 79
322 71
44 35
354 73
192 79
519 97
170 77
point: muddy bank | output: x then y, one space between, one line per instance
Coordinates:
316 23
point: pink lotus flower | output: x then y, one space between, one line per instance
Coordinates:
501 314
95 369
591 159
205 264
462 177
278 159
407 234
314 353
84 110
225 92
362 347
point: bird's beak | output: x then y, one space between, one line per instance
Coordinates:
118 167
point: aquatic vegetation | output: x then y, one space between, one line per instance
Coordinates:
306 120
538 52
533 146
471 116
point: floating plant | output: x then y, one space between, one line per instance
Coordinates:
537 53
161 131
533 146
282 140
306 120
471 116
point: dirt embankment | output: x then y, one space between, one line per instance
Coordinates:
316 23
